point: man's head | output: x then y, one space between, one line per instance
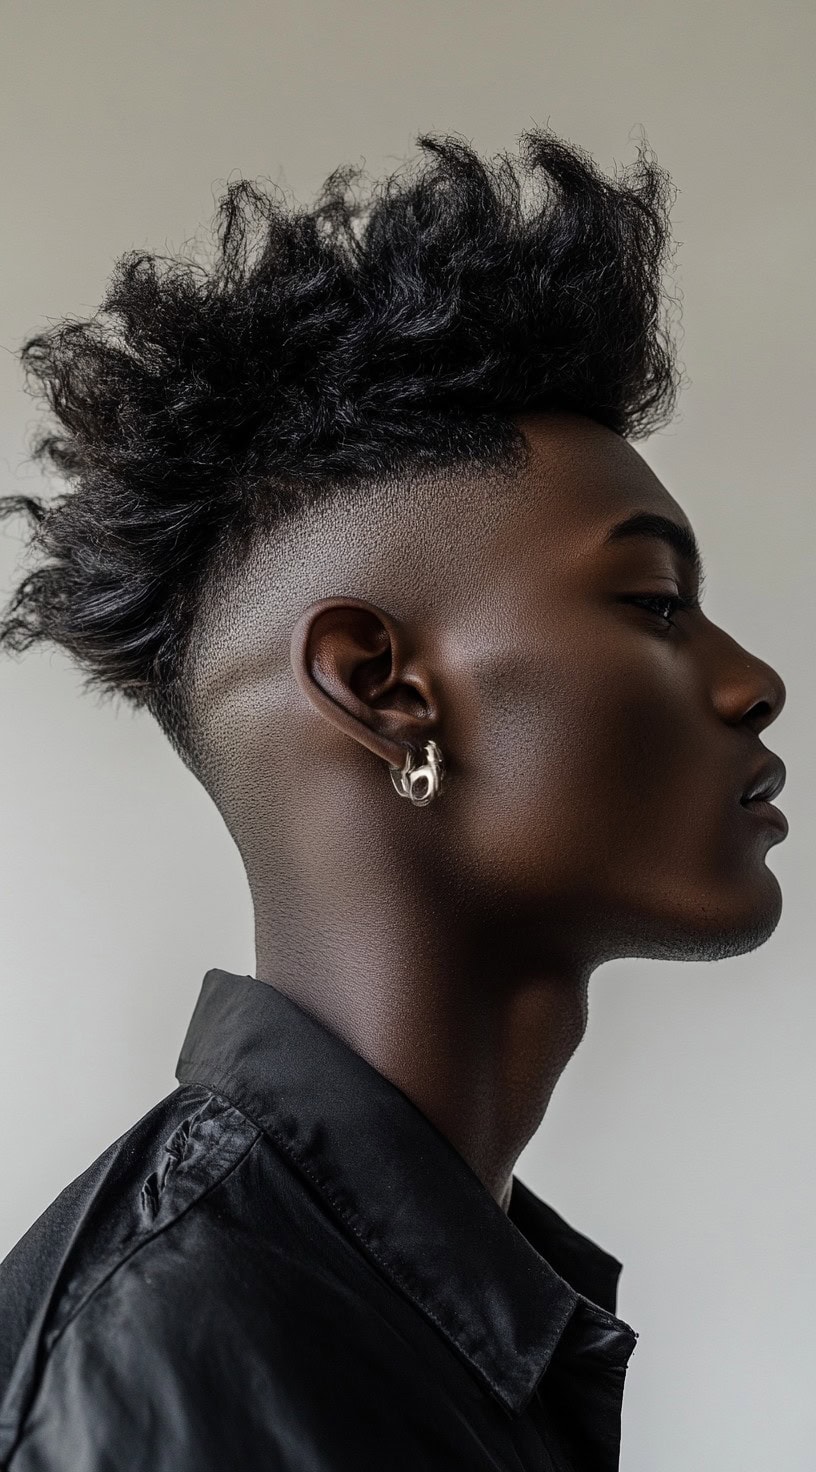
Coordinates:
351 487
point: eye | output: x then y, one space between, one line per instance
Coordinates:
665 605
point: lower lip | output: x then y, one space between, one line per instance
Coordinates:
767 813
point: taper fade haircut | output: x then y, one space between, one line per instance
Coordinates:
389 327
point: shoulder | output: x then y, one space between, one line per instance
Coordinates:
220 1344
236 1331
100 1227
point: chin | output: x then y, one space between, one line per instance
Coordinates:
719 925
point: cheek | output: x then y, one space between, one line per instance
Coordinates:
646 754
590 767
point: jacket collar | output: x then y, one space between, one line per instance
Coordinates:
501 1286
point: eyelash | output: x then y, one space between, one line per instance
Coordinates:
676 601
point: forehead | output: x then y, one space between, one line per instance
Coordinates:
581 480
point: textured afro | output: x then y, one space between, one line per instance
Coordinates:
388 327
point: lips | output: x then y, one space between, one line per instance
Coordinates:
767 813
766 783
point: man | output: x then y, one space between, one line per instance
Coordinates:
353 510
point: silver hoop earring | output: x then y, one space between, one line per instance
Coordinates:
414 775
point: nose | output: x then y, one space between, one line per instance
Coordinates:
749 691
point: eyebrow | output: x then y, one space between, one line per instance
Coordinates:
649 524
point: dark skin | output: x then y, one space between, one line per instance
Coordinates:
595 756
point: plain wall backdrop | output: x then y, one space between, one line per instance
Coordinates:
680 1136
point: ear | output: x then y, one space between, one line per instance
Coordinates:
354 665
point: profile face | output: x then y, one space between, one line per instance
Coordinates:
614 739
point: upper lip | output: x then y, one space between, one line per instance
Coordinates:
767 781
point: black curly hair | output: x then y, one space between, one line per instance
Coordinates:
388 328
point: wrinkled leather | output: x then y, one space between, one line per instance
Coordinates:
285 1265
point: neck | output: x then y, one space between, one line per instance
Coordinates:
471 1029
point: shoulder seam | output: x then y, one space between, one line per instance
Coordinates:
156 1232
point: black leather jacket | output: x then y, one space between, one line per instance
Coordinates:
285 1265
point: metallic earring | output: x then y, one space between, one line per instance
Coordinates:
410 779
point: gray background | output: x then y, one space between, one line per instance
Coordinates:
681 1134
